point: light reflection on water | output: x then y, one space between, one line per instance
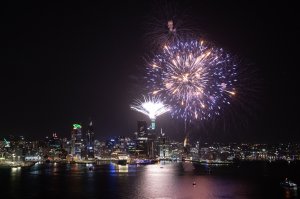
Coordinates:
15 171
115 168
290 193
168 180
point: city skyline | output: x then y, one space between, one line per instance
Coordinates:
68 63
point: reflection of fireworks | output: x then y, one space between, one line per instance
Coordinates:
152 107
194 78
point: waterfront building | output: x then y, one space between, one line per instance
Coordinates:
90 148
76 141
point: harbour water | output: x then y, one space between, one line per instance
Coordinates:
163 181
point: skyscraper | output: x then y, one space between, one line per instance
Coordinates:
76 141
163 146
142 128
55 142
142 139
90 141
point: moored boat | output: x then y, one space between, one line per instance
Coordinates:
288 184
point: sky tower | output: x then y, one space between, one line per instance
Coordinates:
152 107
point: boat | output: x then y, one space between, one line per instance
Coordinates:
19 164
213 162
121 162
145 161
119 157
288 184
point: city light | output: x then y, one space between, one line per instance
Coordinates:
77 126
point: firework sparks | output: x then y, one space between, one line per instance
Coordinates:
169 31
170 23
194 78
151 106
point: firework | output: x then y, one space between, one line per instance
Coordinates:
168 24
195 78
151 106
169 31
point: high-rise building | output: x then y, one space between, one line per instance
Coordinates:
90 151
54 142
142 138
163 146
152 144
142 129
131 147
76 141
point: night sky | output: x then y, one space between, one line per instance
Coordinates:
66 63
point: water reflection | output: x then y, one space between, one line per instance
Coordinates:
187 166
115 168
168 180
157 182
180 181
122 170
15 171
290 193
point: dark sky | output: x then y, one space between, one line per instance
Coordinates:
65 63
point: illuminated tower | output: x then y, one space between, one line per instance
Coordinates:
152 107
90 141
76 141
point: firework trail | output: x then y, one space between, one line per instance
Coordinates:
152 106
195 78
169 24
